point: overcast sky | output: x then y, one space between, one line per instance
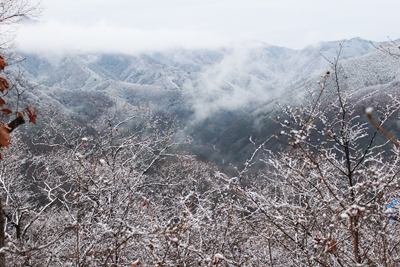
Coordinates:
129 26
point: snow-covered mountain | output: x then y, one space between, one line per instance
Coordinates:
372 72
229 88
235 79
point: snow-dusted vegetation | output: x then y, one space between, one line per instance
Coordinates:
106 179
122 191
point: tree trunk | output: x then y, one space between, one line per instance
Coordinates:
2 236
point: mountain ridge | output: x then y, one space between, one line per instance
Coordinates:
224 87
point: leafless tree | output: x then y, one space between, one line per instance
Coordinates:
12 14
325 198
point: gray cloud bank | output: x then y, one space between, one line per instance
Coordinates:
57 38
122 26
236 78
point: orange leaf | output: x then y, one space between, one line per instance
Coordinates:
20 114
3 84
30 109
137 263
31 114
2 102
3 63
6 111
32 118
4 137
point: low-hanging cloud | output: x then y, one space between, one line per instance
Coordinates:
234 83
57 38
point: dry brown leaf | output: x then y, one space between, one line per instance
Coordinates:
6 111
332 247
32 118
4 137
30 109
3 84
2 102
3 63
31 114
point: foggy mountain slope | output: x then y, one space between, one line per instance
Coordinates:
373 72
207 81
372 69
223 95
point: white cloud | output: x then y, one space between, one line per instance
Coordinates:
55 37
130 26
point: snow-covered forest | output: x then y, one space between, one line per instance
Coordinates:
123 189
